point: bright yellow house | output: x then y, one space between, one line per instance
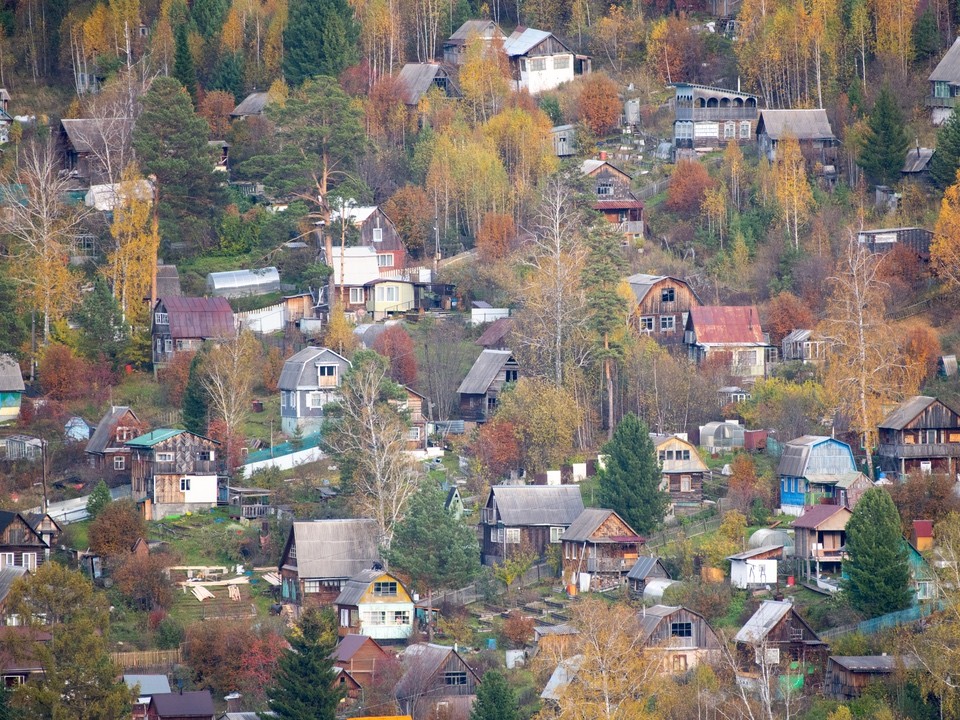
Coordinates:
376 604
386 297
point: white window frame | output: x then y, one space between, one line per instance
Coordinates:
745 130
119 462
414 433
164 457
556 533
686 483
314 400
6 559
161 318
378 234
28 560
647 323
168 345
668 323
538 64
184 484
561 62
511 536
729 130
384 259
356 295
311 587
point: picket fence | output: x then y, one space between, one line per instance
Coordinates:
134 659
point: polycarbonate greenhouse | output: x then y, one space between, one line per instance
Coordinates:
242 283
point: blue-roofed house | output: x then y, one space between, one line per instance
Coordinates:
11 388
147 686
810 470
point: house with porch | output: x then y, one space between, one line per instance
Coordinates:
681 471
922 434
529 517
309 380
820 539
107 449
729 332
183 324
709 117
598 550
803 345
662 306
173 471
320 557
375 603
810 468
613 197
777 642
540 61
810 127
480 390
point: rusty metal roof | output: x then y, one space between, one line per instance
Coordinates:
192 317
817 515
726 325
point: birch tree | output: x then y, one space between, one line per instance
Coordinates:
792 188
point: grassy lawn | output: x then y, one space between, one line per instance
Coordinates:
196 538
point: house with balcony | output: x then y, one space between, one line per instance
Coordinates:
480 390
612 196
662 306
310 379
921 435
173 472
681 471
777 642
820 538
598 550
818 469
944 85
526 517
709 117
732 333
375 603
683 638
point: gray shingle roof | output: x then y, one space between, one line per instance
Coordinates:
355 588
300 369
421 661
588 522
88 135
168 281
564 674
557 505
416 79
948 69
483 372
801 124
8 576
763 621
483 28
252 104
917 160
522 41
335 548
651 617
644 566
747 554
103 435
11 379
906 412
871 663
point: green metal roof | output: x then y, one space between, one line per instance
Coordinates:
154 436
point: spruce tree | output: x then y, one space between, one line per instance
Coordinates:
320 39
208 15
878 574
194 406
303 687
183 67
103 332
885 141
98 500
495 699
944 163
228 75
629 483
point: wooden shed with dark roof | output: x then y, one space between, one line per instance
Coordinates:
480 390
417 79
433 673
361 656
107 450
190 705
182 324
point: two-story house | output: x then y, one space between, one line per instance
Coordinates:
309 380
707 117
810 127
776 641
945 85
612 196
107 448
598 550
921 434
353 268
320 556
820 539
480 390
526 517
540 61
731 332
378 232
683 638
814 469
183 324
20 544
455 47
681 471
436 683
375 603
173 472
415 407
663 303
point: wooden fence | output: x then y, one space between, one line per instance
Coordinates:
648 191
693 529
471 593
133 659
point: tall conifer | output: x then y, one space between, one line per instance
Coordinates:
885 141
320 39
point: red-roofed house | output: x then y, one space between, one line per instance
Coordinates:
921 535
361 656
820 538
732 332
182 324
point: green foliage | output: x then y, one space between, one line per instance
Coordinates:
320 39
943 165
194 408
98 500
885 141
601 275
103 332
550 104
792 409
14 322
495 699
228 74
300 690
183 68
169 634
878 572
630 481
208 15
432 546
926 36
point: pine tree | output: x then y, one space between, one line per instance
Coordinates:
183 67
98 500
629 483
303 687
495 699
885 140
946 160
320 39
194 408
878 575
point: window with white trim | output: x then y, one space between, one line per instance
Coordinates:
118 462
414 434
168 345
377 234
315 400
561 62
311 586
537 64
668 323
6 560
388 293
356 295
729 130
685 483
161 318
384 259
496 535
745 130
184 484
29 561
163 457
512 536
646 323
556 533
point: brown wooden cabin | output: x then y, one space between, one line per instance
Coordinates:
433 673
599 549
415 406
645 569
20 660
480 390
777 635
526 517
613 197
361 656
847 676
820 537
20 544
683 637
46 527
663 303
922 434
106 448
345 680
682 471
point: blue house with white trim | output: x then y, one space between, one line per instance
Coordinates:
811 469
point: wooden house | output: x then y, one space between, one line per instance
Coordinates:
923 578
916 165
683 638
531 517
376 604
46 527
497 335
709 117
598 550
816 468
732 333
757 566
83 145
187 705
921 434
361 656
107 448
416 80
389 296
820 537
146 686
434 675
921 535
320 556
173 472
352 688
253 105
663 303
353 268
944 85
21 656
455 47
378 232
555 640
563 138
916 240
183 324
777 641
11 388
803 346
847 676
454 503
540 61
415 408
480 390
810 127
20 544
610 188
681 471
309 380
646 569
